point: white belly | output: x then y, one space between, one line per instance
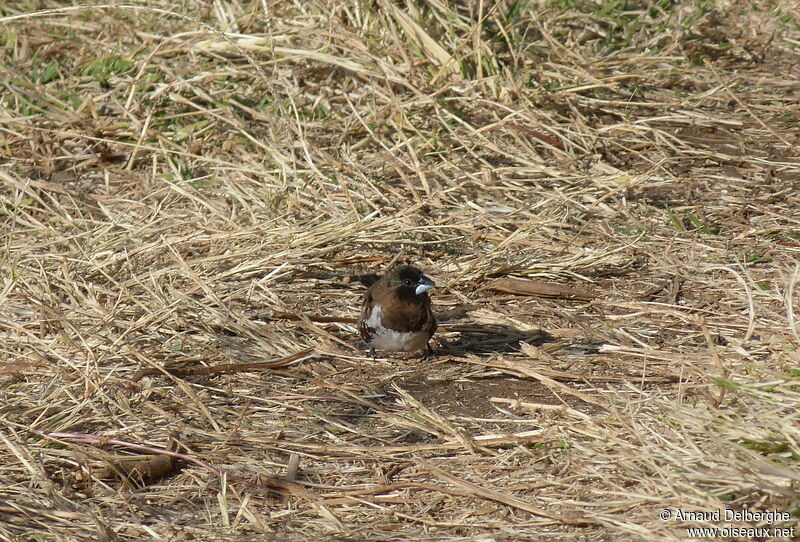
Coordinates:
394 341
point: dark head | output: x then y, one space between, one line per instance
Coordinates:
409 281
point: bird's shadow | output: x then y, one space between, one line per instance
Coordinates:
475 338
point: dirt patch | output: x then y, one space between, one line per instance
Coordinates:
472 398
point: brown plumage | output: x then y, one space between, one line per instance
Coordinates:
396 313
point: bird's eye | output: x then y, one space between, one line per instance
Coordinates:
408 282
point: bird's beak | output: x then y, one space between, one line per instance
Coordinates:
424 285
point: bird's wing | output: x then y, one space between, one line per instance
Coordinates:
366 308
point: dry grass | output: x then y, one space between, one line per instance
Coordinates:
172 176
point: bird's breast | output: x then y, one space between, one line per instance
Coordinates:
384 338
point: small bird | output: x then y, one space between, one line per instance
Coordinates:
396 313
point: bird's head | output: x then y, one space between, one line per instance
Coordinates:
407 280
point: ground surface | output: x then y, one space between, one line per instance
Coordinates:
194 184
